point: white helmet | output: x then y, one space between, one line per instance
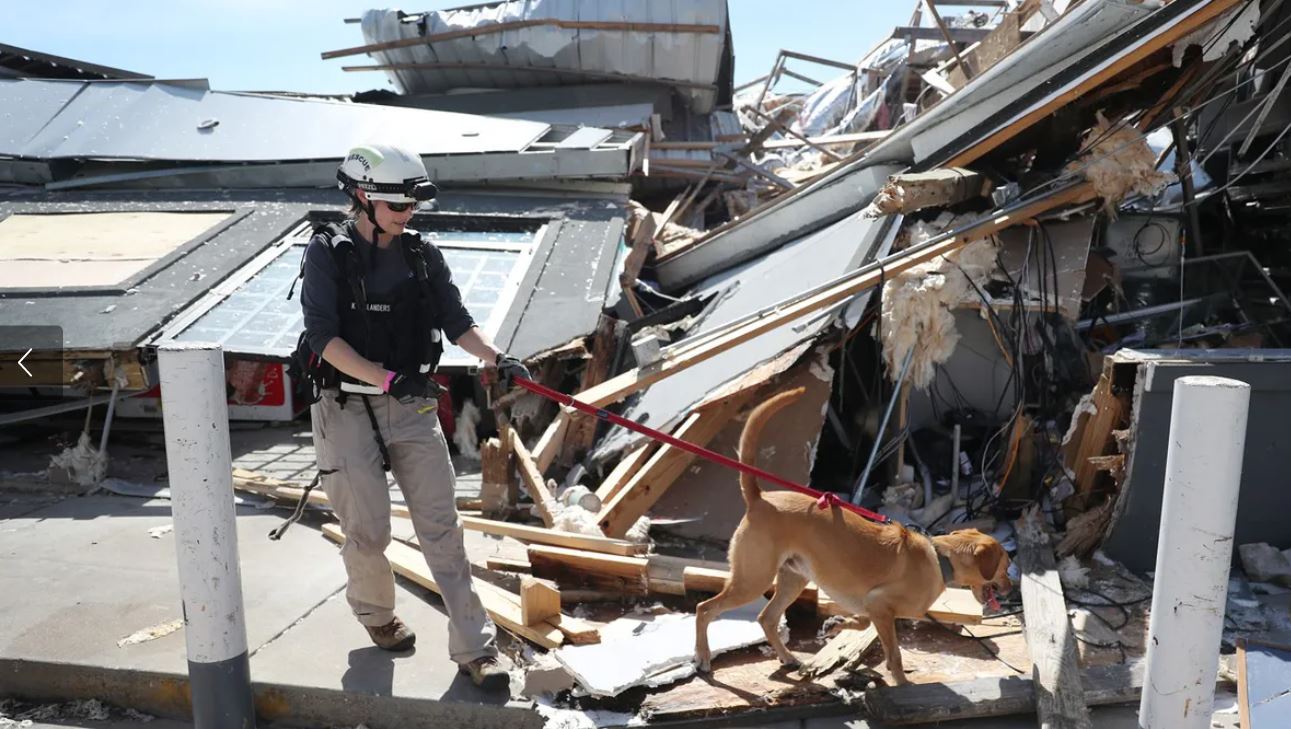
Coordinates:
386 172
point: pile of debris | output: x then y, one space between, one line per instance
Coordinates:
985 251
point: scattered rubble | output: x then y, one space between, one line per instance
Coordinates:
1012 231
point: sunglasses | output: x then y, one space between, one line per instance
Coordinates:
400 207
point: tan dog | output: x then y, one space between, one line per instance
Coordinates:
880 572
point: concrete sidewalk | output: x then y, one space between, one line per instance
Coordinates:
77 575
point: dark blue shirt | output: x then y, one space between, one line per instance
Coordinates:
384 270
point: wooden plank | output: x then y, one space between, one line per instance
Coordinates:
1095 437
646 487
548 446
254 483
531 474
498 492
538 601
1263 678
582 428
931 703
683 357
582 73
575 630
845 649
409 563
542 535
481 30
505 564
642 237
574 568
1196 20
1243 687
624 470
1055 672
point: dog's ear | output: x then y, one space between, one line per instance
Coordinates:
988 559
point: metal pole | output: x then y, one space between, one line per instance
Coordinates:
1198 514
196 418
859 490
107 421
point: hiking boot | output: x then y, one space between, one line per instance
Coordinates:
486 672
393 636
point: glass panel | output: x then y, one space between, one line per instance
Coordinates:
257 318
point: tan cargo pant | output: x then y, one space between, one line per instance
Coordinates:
360 496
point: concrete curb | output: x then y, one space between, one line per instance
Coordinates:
168 695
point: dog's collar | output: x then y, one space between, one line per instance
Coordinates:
947 569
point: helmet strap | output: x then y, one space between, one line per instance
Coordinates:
372 215
371 209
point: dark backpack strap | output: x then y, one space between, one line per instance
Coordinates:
416 254
376 433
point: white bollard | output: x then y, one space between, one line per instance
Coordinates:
196 417
1198 514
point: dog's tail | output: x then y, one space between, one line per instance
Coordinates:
753 434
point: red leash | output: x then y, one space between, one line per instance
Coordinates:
824 499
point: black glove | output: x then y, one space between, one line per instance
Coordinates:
409 385
510 368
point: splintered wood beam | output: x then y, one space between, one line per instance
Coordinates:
532 476
548 446
574 568
649 484
498 491
409 563
846 649
252 483
540 535
1093 436
538 601
582 427
1055 672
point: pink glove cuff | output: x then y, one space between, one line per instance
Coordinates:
385 386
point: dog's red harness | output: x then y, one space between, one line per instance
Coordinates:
824 499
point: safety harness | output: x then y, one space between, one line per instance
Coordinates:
309 366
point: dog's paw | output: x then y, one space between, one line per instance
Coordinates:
791 665
703 665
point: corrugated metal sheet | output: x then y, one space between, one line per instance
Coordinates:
160 121
694 58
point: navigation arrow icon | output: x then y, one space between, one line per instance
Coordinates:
23 366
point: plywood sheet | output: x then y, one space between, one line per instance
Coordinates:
92 249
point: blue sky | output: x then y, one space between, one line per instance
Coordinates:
274 45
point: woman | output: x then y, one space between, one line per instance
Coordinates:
375 298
